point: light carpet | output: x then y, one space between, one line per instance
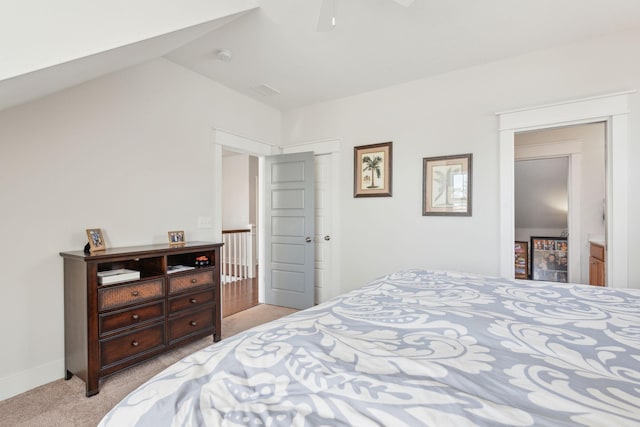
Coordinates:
63 403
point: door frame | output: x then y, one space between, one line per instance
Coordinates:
572 150
246 145
223 138
612 109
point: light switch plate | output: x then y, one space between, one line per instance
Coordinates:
204 222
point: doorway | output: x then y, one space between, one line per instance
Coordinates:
328 154
541 210
239 232
613 110
569 163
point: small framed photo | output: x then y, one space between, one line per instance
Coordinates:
372 170
447 185
176 238
96 240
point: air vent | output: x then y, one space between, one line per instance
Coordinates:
266 90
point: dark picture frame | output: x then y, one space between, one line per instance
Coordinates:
372 170
549 259
176 238
447 185
96 240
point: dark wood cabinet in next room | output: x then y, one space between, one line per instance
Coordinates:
162 298
596 264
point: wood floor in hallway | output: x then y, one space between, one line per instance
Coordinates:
239 295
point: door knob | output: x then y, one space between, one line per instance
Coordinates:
308 240
327 238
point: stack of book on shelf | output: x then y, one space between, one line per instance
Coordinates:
177 268
120 275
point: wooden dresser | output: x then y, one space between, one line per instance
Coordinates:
112 327
596 264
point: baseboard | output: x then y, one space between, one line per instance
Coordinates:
20 382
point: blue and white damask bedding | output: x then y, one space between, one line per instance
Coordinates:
416 348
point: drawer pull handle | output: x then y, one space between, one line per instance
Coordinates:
194 281
135 343
135 293
193 300
135 316
193 323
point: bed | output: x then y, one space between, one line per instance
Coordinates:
416 348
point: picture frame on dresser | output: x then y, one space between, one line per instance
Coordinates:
176 238
96 240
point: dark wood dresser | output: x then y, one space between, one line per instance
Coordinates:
109 327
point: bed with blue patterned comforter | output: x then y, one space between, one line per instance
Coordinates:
416 348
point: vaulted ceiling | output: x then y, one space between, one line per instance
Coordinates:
376 43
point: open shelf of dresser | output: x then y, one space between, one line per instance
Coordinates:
111 327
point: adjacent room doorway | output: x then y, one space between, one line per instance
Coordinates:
611 109
326 199
239 267
562 181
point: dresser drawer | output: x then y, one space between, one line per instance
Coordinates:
131 344
191 323
188 281
190 301
130 294
134 316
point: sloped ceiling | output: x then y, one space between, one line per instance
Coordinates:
376 43
49 46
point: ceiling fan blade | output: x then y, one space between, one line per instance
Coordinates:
327 18
405 3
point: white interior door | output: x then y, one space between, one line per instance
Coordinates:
323 216
289 230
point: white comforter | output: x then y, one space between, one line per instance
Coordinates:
416 348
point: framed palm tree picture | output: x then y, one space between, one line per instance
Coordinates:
372 170
447 185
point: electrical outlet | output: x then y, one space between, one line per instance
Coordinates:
204 222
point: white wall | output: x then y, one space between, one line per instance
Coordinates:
235 192
524 234
130 153
454 113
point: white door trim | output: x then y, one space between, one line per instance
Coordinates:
612 109
246 145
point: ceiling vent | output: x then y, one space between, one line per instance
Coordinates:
266 90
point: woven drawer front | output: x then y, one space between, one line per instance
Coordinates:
130 294
190 301
194 280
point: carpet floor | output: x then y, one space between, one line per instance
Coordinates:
63 403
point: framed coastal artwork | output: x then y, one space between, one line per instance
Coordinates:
447 185
372 170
